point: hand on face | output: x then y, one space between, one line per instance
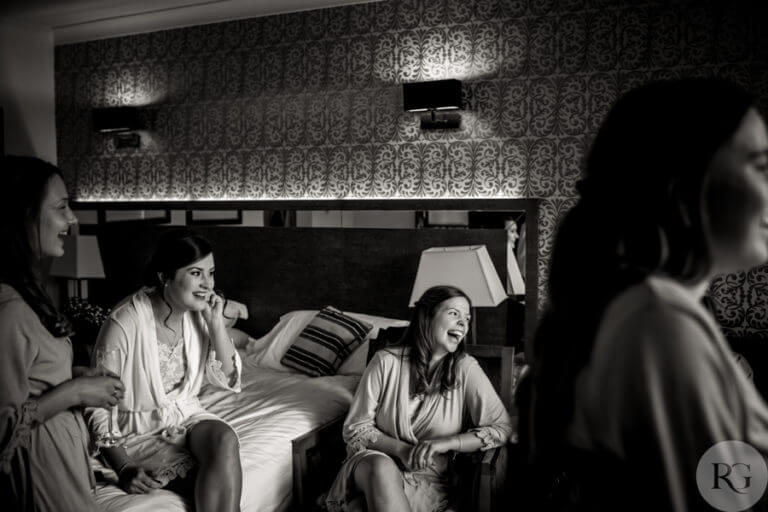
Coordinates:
214 309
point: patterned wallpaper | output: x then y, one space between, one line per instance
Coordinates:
308 105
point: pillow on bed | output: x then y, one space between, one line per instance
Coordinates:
267 351
325 342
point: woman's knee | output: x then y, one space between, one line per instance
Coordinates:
227 440
213 440
378 467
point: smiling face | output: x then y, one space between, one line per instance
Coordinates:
736 198
449 326
191 285
55 219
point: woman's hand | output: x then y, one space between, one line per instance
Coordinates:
87 371
214 309
98 390
134 479
421 455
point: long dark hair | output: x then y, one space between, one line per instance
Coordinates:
175 250
23 185
418 337
640 211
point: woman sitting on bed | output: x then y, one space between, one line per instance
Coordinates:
410 413
165 341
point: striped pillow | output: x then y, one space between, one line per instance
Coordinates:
325 342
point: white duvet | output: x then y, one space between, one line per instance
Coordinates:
273 409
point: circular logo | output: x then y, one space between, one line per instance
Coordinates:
731 476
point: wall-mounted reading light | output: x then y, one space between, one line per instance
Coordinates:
431 97
121 121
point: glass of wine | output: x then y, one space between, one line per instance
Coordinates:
109 362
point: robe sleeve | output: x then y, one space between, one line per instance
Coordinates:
493 424
360 428
690 394
18 411
215 375
110 353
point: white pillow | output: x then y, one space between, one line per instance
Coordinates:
268 350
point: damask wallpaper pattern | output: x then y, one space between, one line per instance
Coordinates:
308 104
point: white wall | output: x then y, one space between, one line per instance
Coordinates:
27 90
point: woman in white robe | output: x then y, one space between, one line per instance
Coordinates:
165 341
417 404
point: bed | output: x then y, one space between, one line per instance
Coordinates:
267 415
290 273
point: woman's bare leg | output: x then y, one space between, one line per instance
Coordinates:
382 483
219 478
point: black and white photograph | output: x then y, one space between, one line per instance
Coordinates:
383 255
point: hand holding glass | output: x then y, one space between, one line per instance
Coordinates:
108 363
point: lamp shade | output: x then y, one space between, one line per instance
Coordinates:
81 260
468 268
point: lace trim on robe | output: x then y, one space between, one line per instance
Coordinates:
215 373
178 469
21 434
362 438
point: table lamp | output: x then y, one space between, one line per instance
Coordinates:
468 268
81 260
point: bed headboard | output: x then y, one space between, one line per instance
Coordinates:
276 270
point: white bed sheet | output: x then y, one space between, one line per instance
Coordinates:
273 409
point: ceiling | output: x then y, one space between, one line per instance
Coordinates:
84 20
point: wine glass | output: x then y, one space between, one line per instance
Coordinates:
108 361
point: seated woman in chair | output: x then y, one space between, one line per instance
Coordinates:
165 341
412 409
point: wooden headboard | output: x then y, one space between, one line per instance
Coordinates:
276 270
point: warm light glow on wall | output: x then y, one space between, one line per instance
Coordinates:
235 199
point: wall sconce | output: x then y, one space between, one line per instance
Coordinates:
121 121
431 97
